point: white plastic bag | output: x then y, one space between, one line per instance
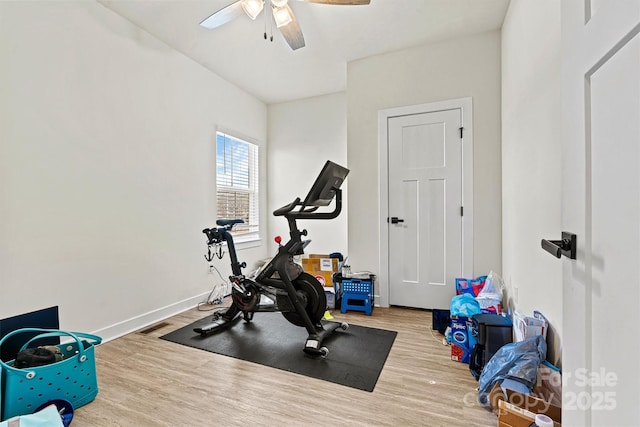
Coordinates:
47 417
490 297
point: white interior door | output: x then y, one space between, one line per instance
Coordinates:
425 208
601 204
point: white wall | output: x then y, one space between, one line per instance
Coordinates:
107 167
303 134
465 67
531 158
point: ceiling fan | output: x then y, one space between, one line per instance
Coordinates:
283 16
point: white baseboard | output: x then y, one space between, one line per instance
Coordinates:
130 325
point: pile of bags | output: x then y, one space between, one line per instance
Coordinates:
508 372
474 296
487 291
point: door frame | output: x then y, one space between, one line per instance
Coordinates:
466 107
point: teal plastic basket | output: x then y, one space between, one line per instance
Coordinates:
73 378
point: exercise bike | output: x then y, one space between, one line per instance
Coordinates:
281 285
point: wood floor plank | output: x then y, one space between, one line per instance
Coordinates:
146 381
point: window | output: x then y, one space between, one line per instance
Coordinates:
237 184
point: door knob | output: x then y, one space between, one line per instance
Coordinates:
567 246
395 220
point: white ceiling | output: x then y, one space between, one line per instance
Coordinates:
334 35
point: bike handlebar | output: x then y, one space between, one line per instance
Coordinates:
309 213
287 208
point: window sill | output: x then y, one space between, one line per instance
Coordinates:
247 242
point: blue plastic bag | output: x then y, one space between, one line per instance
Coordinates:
517 361
464 305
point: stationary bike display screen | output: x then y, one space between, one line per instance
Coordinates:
324 188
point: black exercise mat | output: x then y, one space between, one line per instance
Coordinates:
356 356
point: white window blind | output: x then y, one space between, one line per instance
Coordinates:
237 183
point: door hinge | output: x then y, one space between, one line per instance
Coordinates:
461 210
461 129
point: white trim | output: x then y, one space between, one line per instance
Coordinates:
135 323
246 242
466 107
237 135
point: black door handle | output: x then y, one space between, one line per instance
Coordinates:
395 220
567 246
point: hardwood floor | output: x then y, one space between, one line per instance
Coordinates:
147 381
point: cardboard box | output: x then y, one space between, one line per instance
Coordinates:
548 388
322 268
516 409
460 339
519 410
548 385
495 396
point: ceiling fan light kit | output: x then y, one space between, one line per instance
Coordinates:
283 16
252 7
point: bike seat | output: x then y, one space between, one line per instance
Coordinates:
225 222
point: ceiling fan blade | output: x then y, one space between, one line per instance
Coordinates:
223 16
292 32
339 2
